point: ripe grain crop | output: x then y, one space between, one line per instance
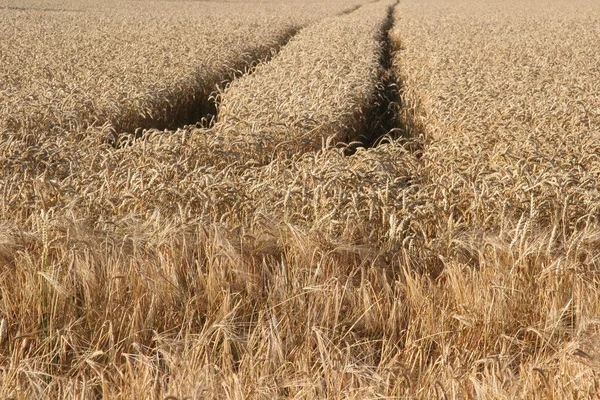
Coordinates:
503 96
224 146
104 286
457 261
131 64
319 89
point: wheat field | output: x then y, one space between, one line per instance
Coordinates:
308 200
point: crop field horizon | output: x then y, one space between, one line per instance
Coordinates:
292 199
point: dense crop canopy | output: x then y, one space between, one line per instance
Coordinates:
256 258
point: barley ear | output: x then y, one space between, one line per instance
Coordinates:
3 331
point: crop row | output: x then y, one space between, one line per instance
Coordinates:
319 89
113 253
109 180
131 64
502 97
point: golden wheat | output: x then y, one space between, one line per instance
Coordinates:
457 261
128 63
502 95
290 110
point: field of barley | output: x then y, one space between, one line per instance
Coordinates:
345 199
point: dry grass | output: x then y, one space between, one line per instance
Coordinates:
458 263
